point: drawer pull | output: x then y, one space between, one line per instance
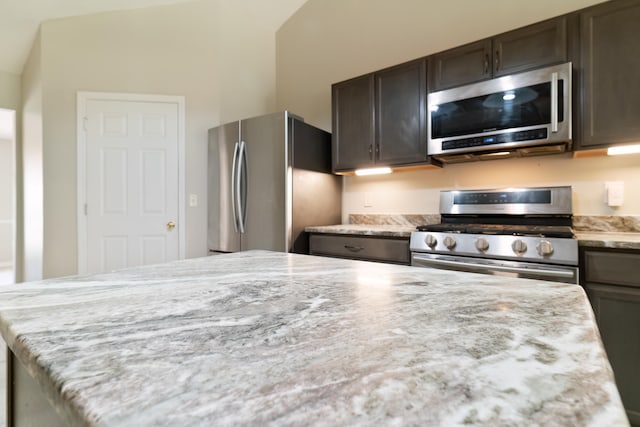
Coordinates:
353 248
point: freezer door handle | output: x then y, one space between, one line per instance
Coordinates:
234 179
242 187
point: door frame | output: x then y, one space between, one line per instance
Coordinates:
14 195
82 100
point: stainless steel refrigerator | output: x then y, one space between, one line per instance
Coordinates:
268 178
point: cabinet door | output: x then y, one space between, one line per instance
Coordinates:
534 46
617 310
401 114
353 123
610 68
462 65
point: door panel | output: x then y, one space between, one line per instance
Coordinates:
222 233
401 114
266 169
132 184
113 181
353 123
535 46
610 67
462 65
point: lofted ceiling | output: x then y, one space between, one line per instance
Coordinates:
20 19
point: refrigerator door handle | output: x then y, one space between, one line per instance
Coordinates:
242 187
234 179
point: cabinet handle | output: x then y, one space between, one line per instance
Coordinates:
497 60
370 151
486 63
354 248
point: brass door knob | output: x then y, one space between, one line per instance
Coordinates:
171 225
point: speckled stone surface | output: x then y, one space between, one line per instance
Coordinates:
258 338
621 232
365 230
408 220
611 224
609 240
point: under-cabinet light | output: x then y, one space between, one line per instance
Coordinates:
373 171
624 149
498 153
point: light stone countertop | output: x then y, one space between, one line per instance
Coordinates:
265 338
365 230
619 240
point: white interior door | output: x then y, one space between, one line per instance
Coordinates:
132 183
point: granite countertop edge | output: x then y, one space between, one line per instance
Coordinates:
289 353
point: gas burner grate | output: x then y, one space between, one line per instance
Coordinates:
500 229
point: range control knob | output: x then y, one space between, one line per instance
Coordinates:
431 241
519 247
544 248
481 244
449 242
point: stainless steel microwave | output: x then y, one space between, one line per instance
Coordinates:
518 115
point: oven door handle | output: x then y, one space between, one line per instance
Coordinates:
484 268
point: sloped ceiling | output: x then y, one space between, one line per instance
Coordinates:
20 19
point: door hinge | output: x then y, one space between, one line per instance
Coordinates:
86 209
85 123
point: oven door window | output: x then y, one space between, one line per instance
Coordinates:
515 108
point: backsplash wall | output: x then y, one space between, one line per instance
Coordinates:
417 192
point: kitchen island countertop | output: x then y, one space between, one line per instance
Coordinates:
270 338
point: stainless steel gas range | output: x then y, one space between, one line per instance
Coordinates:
518 232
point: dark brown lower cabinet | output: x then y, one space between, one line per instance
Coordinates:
612 281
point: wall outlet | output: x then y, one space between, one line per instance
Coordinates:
367 200
193 200
614 193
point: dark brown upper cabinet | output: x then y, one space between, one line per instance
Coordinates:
380 119
353 136
401 122
527 48
610 74
461 65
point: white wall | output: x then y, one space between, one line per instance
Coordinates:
328 41
9 90
219 54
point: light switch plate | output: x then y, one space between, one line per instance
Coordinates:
193 200
614 193
367 200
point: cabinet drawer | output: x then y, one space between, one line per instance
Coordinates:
395 250
614 268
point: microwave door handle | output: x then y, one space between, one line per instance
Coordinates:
554 102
